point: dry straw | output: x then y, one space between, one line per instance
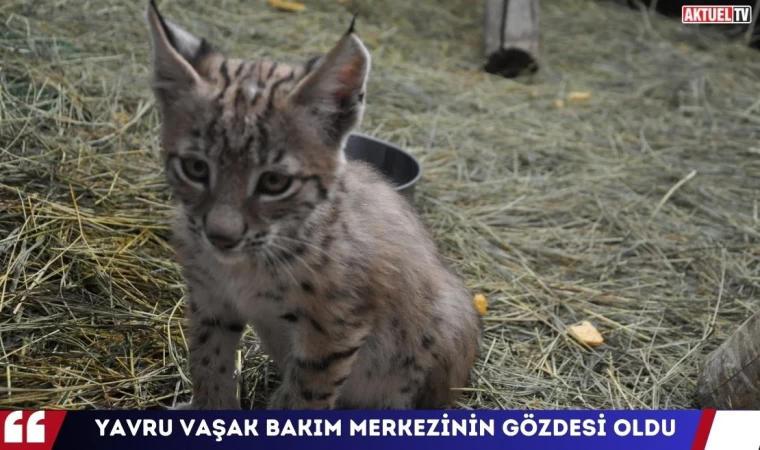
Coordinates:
636 209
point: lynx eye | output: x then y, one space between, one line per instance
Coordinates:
195 169
273 183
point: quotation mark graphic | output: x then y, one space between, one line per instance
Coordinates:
14 428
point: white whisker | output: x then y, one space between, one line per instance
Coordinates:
305 264
284 264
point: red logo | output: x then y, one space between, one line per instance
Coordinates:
716 14
29 430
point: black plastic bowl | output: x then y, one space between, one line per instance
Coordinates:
399 166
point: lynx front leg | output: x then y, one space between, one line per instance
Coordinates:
320 362
214 330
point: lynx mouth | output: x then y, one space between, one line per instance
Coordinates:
227 256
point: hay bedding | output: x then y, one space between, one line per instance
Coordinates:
636 210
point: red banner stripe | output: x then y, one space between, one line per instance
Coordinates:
703 430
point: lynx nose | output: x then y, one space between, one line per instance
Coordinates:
224 227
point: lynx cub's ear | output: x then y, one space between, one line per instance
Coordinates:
333 93
176 55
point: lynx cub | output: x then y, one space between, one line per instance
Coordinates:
276 229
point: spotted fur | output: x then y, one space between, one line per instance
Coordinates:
331 267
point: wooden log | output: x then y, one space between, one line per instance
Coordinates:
729 377
510 37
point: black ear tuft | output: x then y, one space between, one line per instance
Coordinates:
177 56
334 88
162 21
352 29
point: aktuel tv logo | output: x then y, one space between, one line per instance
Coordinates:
716 14
32 430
